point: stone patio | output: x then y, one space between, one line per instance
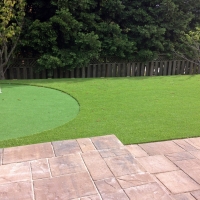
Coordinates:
101 168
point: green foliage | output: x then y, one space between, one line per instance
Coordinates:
75 31
11 21
190 47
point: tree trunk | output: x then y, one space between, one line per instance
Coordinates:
2 77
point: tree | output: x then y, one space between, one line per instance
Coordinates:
69 33
190 47
11 21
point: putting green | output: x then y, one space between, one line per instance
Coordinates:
26 110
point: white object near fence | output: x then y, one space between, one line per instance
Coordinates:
0 91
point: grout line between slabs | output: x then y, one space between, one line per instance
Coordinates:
32 187
98 192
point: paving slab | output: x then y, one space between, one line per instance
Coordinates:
67 164
136 150
113 152
147 192
185 145
180 156
86 144
188 164
178 182
194 142
157 164
110 189
196 154
96 165
183 196
133 180
40 169
93 197
15 172
123 165
196 194
26 153
16 191
66 147
106 142
159 148
64 187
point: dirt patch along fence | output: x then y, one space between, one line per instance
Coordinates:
26 69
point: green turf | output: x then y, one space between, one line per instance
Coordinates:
26 110
136 110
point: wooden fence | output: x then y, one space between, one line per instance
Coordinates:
25 69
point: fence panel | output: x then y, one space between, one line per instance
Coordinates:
26 69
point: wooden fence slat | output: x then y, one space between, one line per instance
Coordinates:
77 72
169 68
186 67
128 66
88 71
133 69
71 73
138 69
122 70
99 70
103 70
199 68
142 69
94 70
174 67
37 75
151 68
24 73
55 73
195 69
83 72
183 67
191 68
165 68
44 74
117 73
114 70
148 68
60 72
18 72
31 72
178 67
161 68
108 70
67 73
156 68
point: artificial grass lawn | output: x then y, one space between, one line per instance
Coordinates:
26 110
135 109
